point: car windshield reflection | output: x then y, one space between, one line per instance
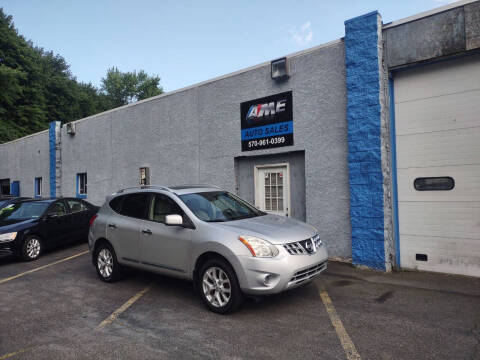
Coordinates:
219 206
23 211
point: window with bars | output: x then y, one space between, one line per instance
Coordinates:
274 200
38 187
82 185
144 176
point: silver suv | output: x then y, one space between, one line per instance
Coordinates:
208 235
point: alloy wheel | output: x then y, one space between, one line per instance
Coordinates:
105 262
33 248
216 287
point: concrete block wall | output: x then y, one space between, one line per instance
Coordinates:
364 109
25 159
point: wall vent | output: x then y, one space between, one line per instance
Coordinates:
71 128
421 257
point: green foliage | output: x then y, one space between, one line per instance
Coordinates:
125 87
37 87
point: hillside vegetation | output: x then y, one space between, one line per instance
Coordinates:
37 87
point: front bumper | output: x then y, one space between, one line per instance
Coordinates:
259 276
8 247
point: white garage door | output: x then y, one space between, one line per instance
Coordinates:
437 117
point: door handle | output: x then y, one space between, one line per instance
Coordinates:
112 226
147 231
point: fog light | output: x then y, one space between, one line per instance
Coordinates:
267 279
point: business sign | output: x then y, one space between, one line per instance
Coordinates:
267 122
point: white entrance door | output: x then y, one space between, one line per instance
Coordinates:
437 120
272 189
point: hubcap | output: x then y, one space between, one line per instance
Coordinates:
33 248
105 262
216 287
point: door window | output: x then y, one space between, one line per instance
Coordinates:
76 206
272 189
162 206
135 205
58 209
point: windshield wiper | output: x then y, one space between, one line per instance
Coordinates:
217 220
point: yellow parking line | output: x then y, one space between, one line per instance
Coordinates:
9 355
122 308
345 340
42 267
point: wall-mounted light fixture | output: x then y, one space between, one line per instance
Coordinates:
280 69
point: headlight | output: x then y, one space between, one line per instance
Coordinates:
259 247
8 237
317 241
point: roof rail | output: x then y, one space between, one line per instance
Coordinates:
187 186
144 187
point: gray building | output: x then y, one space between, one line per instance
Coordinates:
372 138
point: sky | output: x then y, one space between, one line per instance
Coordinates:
186 42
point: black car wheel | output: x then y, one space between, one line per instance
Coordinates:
108 268
218 286
31 248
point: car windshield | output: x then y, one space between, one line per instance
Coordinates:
218 206
23 210
2 202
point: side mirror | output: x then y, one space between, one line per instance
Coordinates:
173 220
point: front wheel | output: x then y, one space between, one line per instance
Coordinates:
219 287
108 268
32 248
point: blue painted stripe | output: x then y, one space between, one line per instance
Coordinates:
53 158
277 129
394 169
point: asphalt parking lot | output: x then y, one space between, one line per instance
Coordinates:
57 308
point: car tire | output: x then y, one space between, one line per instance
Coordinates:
108 268
31 248
218 286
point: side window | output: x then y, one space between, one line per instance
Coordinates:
82 185
76 206
38 187
135 205
116 204
162 206
58 209
434 183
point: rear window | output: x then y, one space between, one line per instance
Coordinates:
135 205
116 204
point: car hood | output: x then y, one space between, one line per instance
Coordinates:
16 225
274 228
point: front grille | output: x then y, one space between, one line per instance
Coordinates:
306 274
295 248
302 247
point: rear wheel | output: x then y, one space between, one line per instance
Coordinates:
108 268
218 286
32 248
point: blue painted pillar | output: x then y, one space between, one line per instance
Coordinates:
362 54
53 132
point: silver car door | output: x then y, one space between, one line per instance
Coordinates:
125 227
161 246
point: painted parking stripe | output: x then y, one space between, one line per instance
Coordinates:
9 355
345 340
42 267
122 308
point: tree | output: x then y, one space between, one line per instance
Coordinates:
123 88
37 87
